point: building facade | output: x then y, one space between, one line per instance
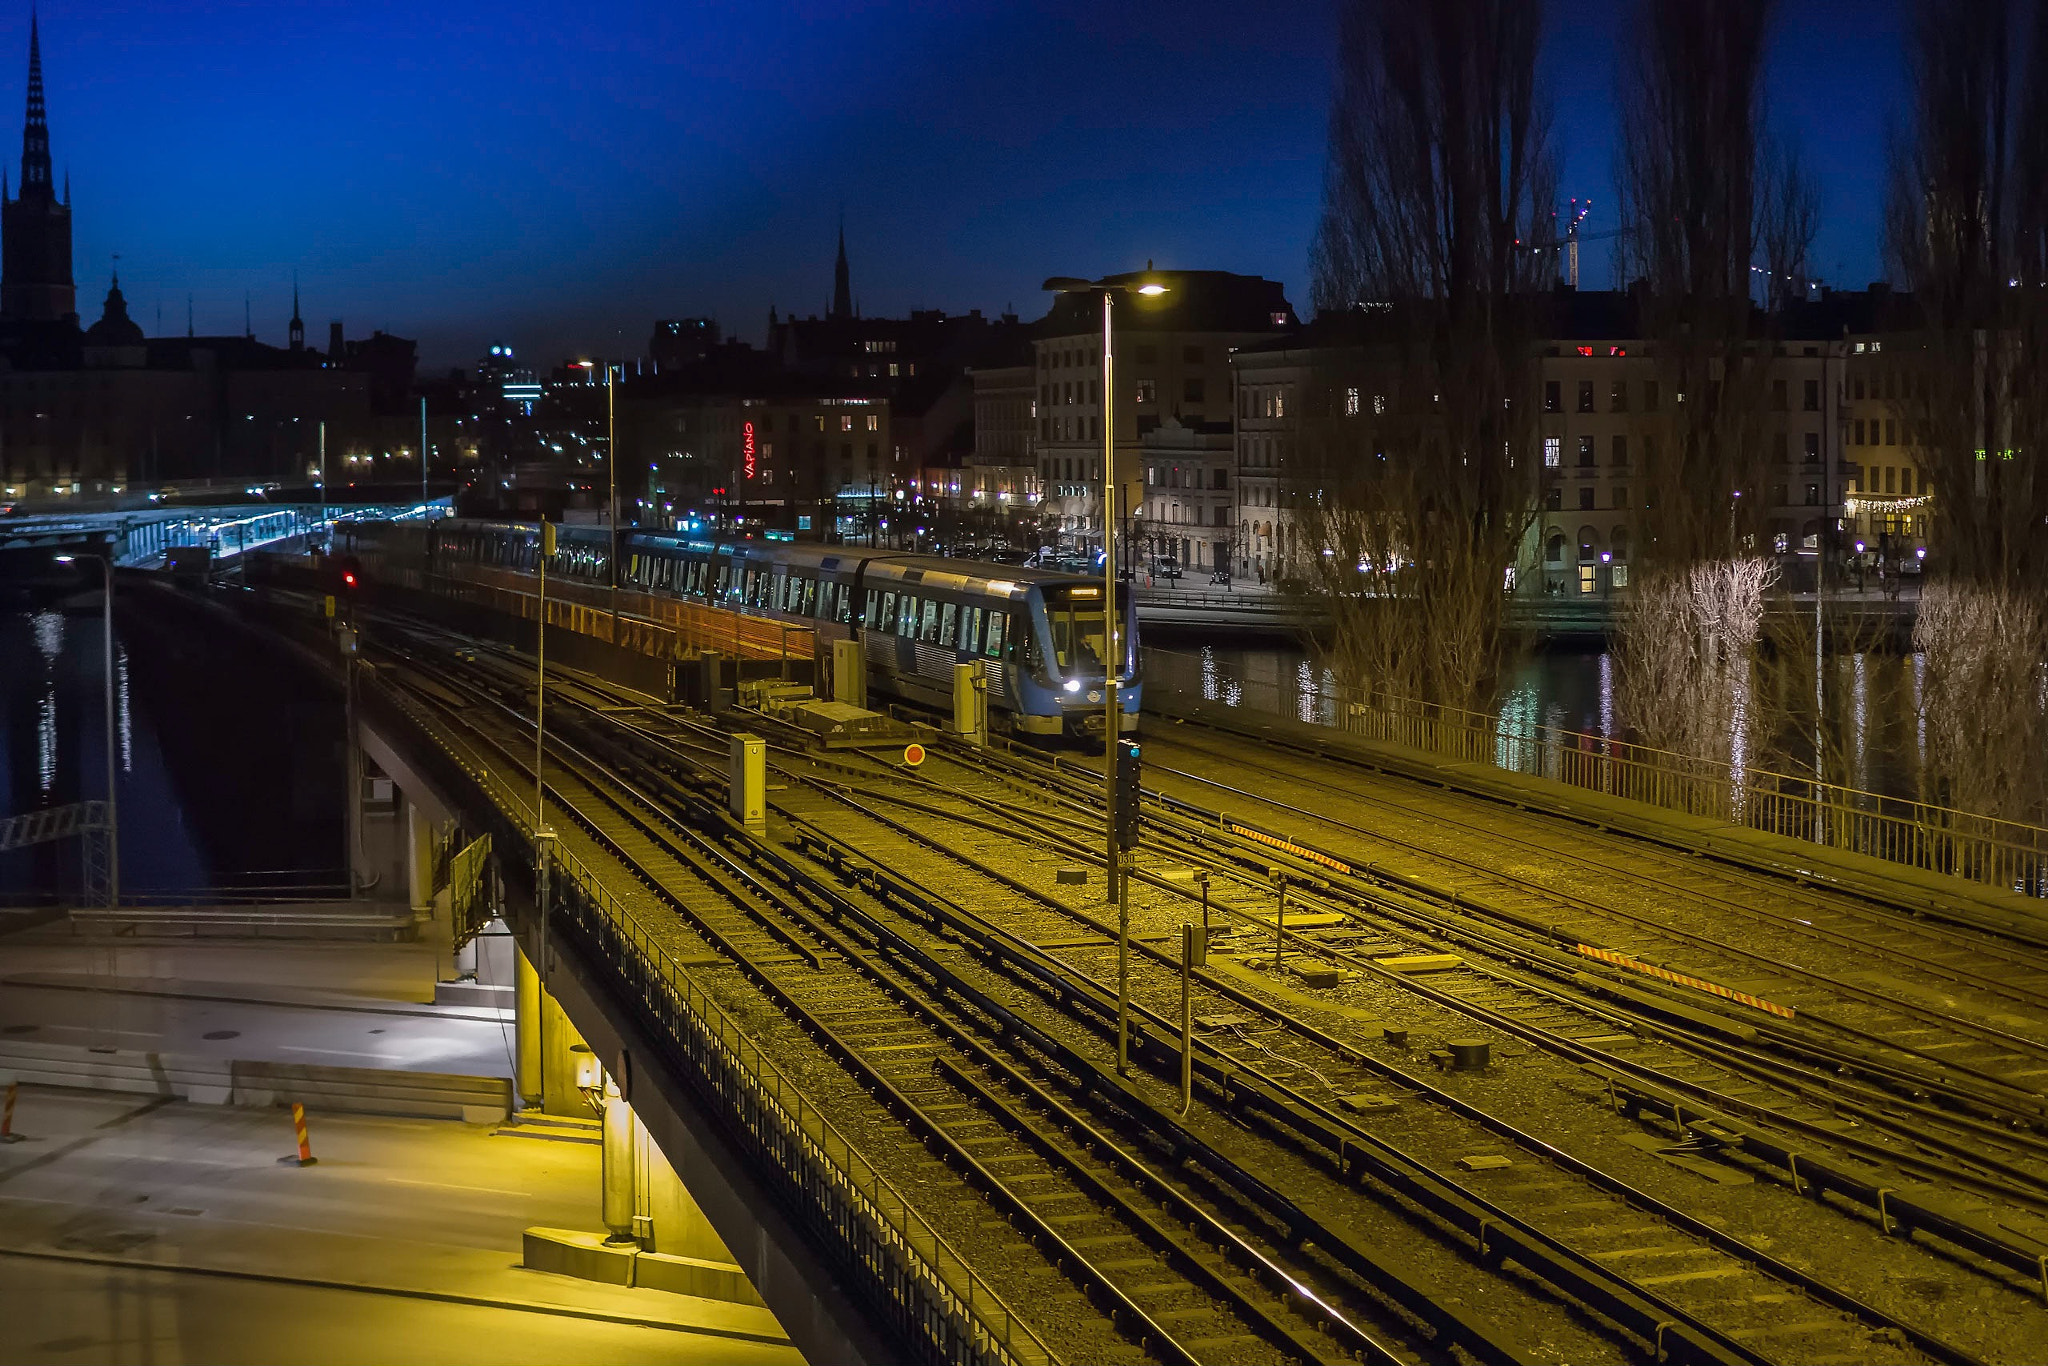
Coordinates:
1173 363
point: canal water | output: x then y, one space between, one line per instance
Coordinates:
227 778
1875 695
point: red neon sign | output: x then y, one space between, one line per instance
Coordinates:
747 449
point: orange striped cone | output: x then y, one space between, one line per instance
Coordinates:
306 1158
7 1134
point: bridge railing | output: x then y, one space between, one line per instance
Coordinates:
2010 855
937 1301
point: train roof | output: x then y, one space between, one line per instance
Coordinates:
881 565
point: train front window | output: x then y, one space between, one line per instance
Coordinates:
1080 632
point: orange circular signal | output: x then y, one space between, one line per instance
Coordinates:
913 755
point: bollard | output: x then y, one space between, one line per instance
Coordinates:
1279 919
7 1134
305 1158
748 786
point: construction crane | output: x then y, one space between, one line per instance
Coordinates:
1569 241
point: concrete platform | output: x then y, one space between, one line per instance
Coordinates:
334 1005
165 1231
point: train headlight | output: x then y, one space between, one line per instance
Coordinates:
1073 685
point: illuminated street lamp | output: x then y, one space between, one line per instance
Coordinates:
1113 657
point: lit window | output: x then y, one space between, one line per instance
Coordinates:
1553 452
874 422
1379 403
1351 403
846 422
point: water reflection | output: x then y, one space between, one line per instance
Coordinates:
1877 741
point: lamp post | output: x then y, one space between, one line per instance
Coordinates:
1112 662
106 562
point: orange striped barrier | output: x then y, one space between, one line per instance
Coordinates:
306 1158
1288 847
1622 960
7 1134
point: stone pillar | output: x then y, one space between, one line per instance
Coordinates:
619 1154
526 1013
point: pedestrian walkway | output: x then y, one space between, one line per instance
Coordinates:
136 1229
331 1004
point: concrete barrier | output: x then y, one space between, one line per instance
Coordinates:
586 1256
226 1081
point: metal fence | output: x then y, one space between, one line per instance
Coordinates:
2010 855
650 623
941 1308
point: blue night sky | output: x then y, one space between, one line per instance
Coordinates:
559 177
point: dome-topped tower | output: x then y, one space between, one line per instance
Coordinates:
115 327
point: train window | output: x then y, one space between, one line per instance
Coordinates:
949 622
928 631
724 578
996 622
887 620
870 617
906 618
809 606
845 603
1079 629
970 631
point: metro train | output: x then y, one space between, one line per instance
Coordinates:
1042 634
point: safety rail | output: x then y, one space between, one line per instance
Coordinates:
932 1295
2010 855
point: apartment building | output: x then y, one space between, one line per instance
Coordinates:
1173 355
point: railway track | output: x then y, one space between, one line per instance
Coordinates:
1484 999
1593 1219
1120 1279
1964 1001
1297 1080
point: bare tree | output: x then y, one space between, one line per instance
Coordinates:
1967 232
1414 506
1702 193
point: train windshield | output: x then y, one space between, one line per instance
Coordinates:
1080 633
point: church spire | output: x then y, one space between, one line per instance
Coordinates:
35 132
298 329
842 292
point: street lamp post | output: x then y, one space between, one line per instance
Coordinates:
1119 890
106 562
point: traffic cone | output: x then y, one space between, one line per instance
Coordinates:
7 1134
305 1158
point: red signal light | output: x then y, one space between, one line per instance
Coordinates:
349 579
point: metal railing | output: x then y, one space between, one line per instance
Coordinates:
936 1300
2010 855
649 623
